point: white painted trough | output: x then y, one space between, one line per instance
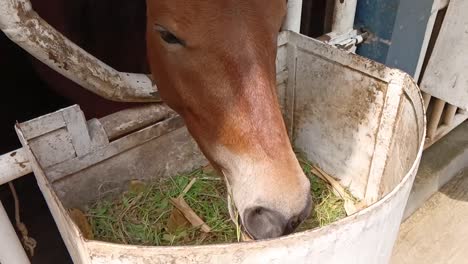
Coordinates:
359 121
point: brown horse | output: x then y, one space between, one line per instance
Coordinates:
214 63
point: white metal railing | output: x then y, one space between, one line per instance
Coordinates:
293 16
442 118
26 28
13 165
343 16
11 251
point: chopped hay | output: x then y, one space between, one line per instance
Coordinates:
141 217
144 215
328 207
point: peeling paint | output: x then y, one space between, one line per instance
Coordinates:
25 27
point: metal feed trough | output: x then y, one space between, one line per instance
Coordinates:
359 121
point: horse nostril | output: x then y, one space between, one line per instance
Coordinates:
294 222
263 223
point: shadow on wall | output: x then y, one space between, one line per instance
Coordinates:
315 17
457 188
455 147
111 30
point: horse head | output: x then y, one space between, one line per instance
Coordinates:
214 63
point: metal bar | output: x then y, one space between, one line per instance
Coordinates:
343 16
14 165
124 122
435 118
71 166
449 114
427 99
11 250
293 16
26 28
445 129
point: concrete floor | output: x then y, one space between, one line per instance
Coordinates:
437 233
439 164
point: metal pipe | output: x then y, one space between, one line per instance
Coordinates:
292 21
427 99
344 12
129 120
445 129
14 165
449 114
11 250
433 122
26 28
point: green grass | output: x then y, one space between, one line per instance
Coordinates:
328 206
140 216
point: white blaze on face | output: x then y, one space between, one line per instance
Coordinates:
256 183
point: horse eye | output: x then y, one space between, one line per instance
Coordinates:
168 37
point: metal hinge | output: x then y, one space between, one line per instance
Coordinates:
347 41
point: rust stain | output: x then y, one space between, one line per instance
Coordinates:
358 107
82 222
370 65
354 108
